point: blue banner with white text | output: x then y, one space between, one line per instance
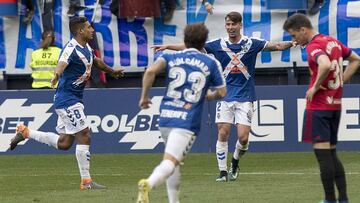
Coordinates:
127 42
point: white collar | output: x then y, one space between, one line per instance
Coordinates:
191 49
228 41
73 41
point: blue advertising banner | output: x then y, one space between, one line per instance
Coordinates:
118 125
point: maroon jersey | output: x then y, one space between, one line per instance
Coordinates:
330 94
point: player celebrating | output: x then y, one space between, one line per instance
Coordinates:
237 55
190 73
72 71
323 107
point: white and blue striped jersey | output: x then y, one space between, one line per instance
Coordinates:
189 74
73 80
238 63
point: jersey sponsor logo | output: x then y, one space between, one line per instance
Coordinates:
268 121
315 51
14 111
142 130
239 70
166 113
349 127
331 100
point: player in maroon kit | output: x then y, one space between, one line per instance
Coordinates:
323 106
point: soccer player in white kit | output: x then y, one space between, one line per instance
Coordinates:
72 72
190 74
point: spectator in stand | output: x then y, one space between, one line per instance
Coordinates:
316 7
47 14
139 8
30 11
167 8
74 7
143 8
114 7
209 8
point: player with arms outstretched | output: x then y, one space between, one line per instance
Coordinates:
237 54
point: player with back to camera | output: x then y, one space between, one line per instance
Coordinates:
190 74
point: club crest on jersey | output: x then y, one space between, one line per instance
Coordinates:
235 61
245 48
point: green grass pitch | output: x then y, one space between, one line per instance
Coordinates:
264 178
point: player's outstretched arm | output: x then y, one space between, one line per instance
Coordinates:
216 94
278 46
60 67
116 73
148 81
354 63
175 47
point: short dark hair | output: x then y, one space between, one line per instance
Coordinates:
76 23
195 35
297 21
234 16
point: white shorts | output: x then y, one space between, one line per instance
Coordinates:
234 112
71 120
178 142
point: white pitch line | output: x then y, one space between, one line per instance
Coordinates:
282 173
45 175
205 174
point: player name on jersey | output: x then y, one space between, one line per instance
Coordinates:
192 62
